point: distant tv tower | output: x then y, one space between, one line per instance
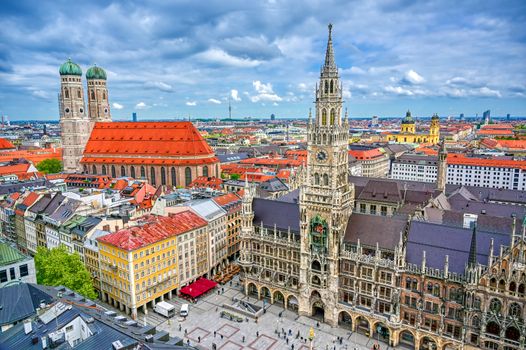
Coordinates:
229 109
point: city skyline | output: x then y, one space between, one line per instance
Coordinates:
166 61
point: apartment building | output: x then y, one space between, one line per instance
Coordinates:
140 266
231 203
375 162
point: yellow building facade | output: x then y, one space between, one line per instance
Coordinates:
408 133
139 265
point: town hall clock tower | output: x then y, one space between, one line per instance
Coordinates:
326 199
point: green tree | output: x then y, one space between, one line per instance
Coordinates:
57 267
50 166
234 177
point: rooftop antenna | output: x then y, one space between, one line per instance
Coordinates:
229 109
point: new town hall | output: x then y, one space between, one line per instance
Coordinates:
423 265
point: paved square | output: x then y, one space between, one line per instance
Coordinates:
196 333
263 342
227 330
230 345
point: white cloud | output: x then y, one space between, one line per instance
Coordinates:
214 101
191 103
141 105
41 94
487 92
457 81
159 85
275 104
398 90
219 56
302 87
235 95
117 105
413 77
264 92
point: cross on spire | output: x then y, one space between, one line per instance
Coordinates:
329 54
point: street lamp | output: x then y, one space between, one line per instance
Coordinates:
311 337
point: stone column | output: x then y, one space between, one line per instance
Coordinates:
134 313
162 297
170 295
145 309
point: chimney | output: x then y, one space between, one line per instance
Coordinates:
116 228
28 327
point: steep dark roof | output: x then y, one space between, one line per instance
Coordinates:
441 240
281 214
370 229
19 301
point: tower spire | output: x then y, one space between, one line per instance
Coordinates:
472 261
329 54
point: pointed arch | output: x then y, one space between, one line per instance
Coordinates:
316 179
66 93
132 171
143 172
205 171
333 116
163 176
113 172
152 175
94 169
78 93
325 180
103 95
123 171
332 86
92 95
326 87
323 116
187 176
172 171
104 170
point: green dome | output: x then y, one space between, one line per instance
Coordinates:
408 118
70 68
435 117
96 73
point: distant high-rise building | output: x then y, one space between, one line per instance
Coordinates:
508 117
486 117
461 116
374 121
134 116
272 117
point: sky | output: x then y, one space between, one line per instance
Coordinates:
180 59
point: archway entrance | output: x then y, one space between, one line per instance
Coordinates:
362 326
318 311
292 303
407 340
428 344
381 332
252 290
345 320
278 298
265 294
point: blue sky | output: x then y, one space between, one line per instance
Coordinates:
167 60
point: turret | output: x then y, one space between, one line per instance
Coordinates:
98 101
442 167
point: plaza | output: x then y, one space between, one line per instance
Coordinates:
204 326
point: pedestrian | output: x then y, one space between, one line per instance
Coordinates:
188 342
292 347
287 341
257 334
326 346
243 340
298 335
318 324
214 334
290 331
283 330
221 336
198 339
341 340
218 292
180 328
185 331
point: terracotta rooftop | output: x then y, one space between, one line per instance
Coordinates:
460 159
6 144
366 154
226 199
167 142
159 228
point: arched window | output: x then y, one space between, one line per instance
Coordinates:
316 179
85 169
152 175
323 116
326 87
205 171
475 322
123 171
78 93
163 176
103 95
332 86
143 172
493 328
493 283
92 95
113 172
187 176
476 303
436 290
132 171
515 310
325 179
512 334
415 284
173 176
502 285
104 170
513 286
495 305
94 169
66 93
521 289
333 116
316 265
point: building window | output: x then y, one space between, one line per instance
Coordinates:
123 171
143 173
163 176
363 208
12 274
92 95
187 176
78 96
104 170
152 175
373 209
94 168
326 179
383 210
205 171
66 93
23 270
172 171
132 171
113 172
3 274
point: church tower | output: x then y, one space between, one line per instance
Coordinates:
73 121
98 102
326 198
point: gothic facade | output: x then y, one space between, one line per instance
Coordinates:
412 274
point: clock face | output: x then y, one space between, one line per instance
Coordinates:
321 156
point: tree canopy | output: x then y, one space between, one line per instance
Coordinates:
50 166
57 267
235 176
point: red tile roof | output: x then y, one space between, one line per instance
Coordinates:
497 126
28 201
206 182
14 169
498 132
226 199
366 154
460 159
6 144
166 142
34 156
158 228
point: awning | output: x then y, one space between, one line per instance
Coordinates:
198 288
